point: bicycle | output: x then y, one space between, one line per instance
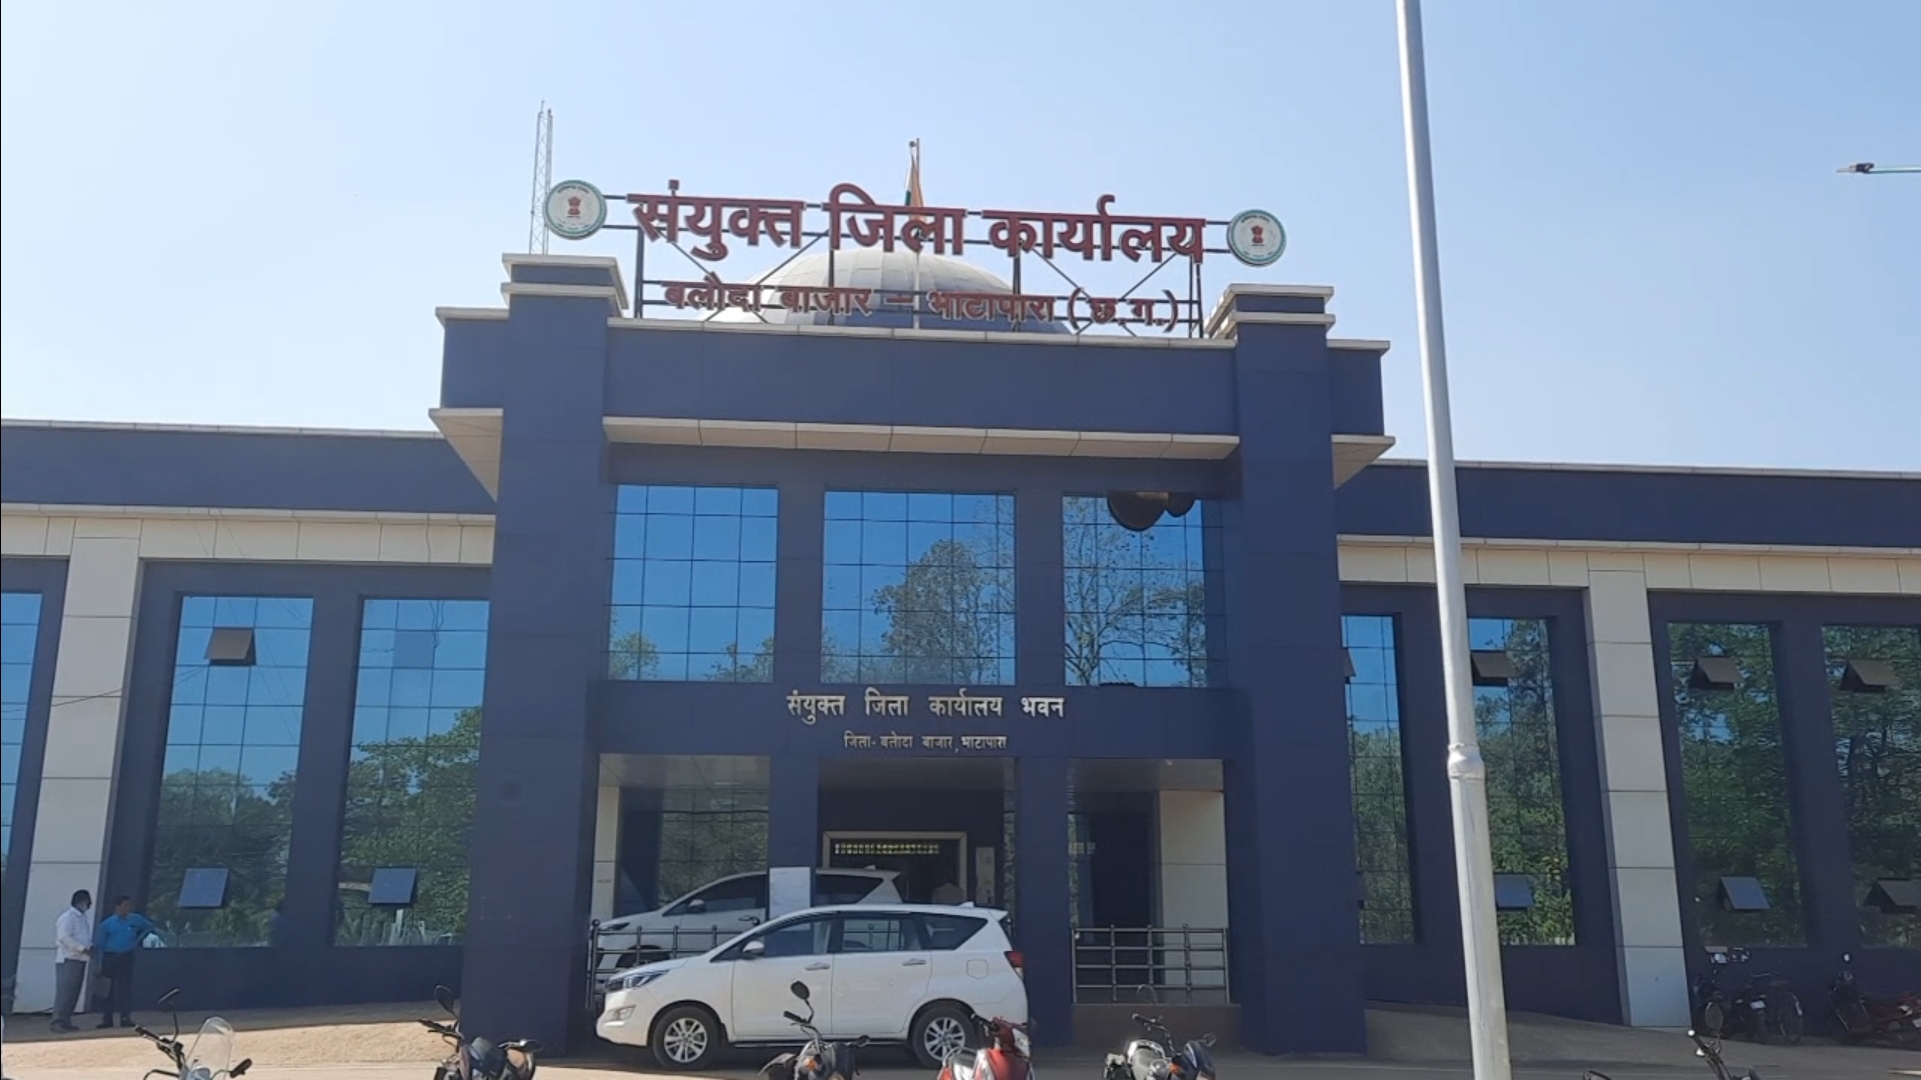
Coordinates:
1708 1050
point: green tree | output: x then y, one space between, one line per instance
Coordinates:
1527 816
758 668
410 803
210 819
1877 739
631 656
1380 833
947 616
1734 773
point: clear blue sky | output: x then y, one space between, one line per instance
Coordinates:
244 213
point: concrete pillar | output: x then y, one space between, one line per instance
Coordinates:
83 740
1193 849
537 789
793 810
606 850
1040 896
1648 947
1297 940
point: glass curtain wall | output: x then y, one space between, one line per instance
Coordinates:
919 589
410 784
1137 602
693 584
1734 774
232 757
19 637
1875 695
1527 818
1375 755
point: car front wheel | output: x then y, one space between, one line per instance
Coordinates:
939 1032
686 1038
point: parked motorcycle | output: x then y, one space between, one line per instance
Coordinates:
210 1056
1765 1010
1159 1056
1856 1017
478 1058
1008 1054
817 1059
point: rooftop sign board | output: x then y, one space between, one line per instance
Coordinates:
706 230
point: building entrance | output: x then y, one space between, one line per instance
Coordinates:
927 862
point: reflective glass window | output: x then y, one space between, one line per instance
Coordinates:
1734 772
410 783
709 831
693 584
232 757
19 637
1877 732
1527 820
919 589
1380 779
1137 602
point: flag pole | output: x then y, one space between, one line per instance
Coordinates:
913 199
1466 770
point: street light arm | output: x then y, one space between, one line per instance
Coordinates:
1869 168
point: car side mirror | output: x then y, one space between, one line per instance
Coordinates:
240 1070
1208 1039
697 906
799 989
753 950
445 998
750 920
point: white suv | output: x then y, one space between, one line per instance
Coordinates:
904 973
719 910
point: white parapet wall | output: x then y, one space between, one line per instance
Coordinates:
105 548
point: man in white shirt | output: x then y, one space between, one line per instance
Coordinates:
72 944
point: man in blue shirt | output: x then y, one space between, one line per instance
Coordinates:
119 938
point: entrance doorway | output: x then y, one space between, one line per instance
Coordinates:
924 860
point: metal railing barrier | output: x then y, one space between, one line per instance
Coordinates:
1185 965
613 951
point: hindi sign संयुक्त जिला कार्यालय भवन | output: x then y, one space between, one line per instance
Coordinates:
809 708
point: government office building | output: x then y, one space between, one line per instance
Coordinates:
1132 636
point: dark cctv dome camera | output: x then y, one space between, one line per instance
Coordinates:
1139 511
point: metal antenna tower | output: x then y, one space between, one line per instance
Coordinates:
537 232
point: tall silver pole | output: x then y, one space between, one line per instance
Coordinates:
1466 772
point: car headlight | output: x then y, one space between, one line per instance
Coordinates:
632 980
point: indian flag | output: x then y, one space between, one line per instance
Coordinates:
913 196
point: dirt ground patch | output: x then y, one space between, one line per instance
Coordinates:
321 1036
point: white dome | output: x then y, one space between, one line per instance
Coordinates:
889 272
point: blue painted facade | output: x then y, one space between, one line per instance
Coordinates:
557 366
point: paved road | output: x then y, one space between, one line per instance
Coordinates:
1254 1069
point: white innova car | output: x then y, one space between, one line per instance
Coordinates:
719 910
902 973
